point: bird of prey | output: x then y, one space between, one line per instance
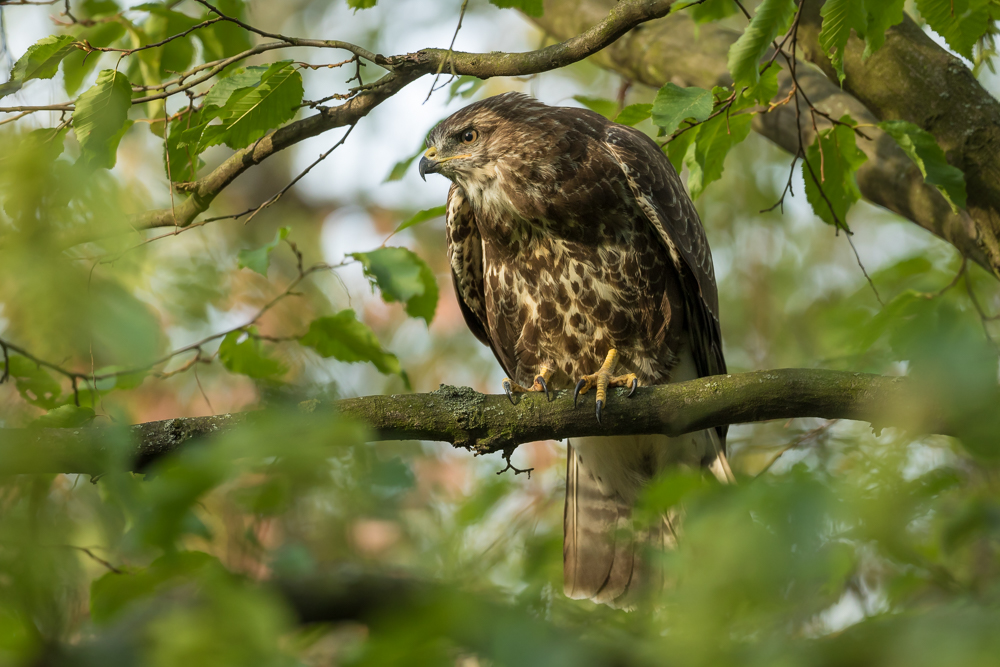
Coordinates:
579 259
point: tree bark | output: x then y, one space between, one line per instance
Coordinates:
909 78
485 424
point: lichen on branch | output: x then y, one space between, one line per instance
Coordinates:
485 424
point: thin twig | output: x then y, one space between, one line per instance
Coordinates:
448 57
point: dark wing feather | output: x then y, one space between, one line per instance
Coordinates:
661 196
465 253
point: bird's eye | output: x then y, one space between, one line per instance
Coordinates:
469 136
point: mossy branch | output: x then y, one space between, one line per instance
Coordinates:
484 423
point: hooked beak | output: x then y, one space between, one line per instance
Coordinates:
428 165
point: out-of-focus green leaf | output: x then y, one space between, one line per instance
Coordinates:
124 330
713 142
832 161
634 114
484 499
402 276
839 18
129 380
607 108
465 87
253 111
100 116
248 357
399 169
260 259
65 416
344 338
882 15
529 7
666 493
33 382
177 54
422 216
224 39
923 149
960 22
96 8
772 18
361 4
115 592
40 61
674 104
712 10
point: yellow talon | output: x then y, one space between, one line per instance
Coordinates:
540 384
603 379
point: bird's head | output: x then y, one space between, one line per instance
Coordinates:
467 145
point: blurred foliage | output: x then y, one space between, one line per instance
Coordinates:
840 547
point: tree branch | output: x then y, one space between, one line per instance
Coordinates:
674 49
485 424
621 18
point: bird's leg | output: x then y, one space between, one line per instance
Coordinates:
540 384
603 379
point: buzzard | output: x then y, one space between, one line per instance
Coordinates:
577 255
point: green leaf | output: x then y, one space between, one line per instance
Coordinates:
181 160
40 61
923 149
344 338
677 148
773 18
422 216
402 276
960 22
529 7
465 87
715 138
78 65
767 88
832 161
95 8
248 358
224 39
361 4
634 114
606 108
253 111
177 54
114 592
673 104
33 382
65 416
100 116
882 15
839 18
399 169
124 381
244 78
713 10
258 260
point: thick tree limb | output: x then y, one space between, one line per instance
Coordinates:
489 423
905 79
